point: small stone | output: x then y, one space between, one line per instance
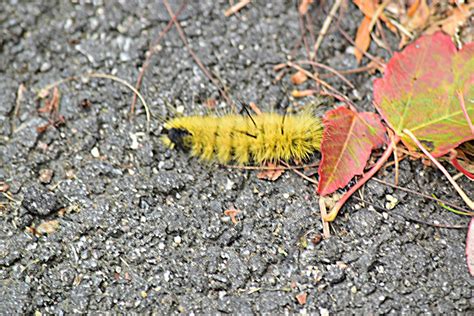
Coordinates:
70 174
229 185
48 227
4 187
391 202
95 152
45 67
124 56
324 311
167 275
122 28
180 109
38 200
135 144
45 175
177 240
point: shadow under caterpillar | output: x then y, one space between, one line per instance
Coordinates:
268 137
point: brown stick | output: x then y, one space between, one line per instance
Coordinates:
334 71
349 71
326 24
149 53
196 58
366 54
321 82
301 174
236 8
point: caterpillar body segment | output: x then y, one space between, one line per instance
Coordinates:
268 137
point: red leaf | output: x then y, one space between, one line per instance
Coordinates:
418 93
348 140
470 247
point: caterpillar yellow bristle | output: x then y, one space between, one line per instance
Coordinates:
269 137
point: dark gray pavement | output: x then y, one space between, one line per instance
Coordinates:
142 228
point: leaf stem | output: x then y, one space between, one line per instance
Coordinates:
463 195
454 161
464 110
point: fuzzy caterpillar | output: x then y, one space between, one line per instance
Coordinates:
268 137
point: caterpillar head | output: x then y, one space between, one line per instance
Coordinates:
178 138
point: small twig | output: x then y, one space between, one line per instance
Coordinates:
377 13
318 80
255 108
9 196
149 54
326 24
349 71
401 28
301 174
196 58
426 196
384 37
309 25
44 91
19 98
366 54
271 168
236 8
463 195
378 41
418 221
347 102
128 85
303 35
334 71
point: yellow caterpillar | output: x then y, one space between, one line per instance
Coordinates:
268 137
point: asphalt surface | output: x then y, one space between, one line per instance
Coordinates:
140 228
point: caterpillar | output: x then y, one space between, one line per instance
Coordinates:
269 137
